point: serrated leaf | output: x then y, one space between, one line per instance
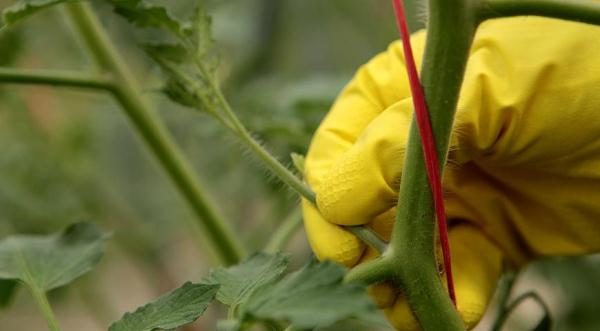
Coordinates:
23 8
240 281
7 291
148 15
48 262
311 297
175 309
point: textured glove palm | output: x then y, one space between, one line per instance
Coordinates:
523 180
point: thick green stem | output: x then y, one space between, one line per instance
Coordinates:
579 11
42 302
54 78
451 27
215 230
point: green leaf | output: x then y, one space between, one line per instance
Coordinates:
172 310
240 281
47 262
148 15
201 32
23 8
314 296
7 291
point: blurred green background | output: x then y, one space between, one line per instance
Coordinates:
70 155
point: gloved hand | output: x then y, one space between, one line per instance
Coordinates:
523 178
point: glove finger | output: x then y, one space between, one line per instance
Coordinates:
329 241
376 86
477 265
363 182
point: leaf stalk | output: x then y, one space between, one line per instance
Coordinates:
61 78
42 302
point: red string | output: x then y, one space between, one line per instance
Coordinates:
428 143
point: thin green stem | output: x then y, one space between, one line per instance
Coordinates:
365 234
580 11
285 231
369 237
279 169
215 231
61 78
42 302
282 172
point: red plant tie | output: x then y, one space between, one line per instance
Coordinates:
428 143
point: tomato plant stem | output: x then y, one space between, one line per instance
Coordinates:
450 30
54 78
215 231
579 11
432 165
411 253
282 172
42 302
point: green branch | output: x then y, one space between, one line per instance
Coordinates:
573 10
215 231
54 78
368 236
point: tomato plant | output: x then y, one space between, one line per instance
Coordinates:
256 288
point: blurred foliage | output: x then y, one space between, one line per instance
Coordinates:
69 155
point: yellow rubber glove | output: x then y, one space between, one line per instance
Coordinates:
523 179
